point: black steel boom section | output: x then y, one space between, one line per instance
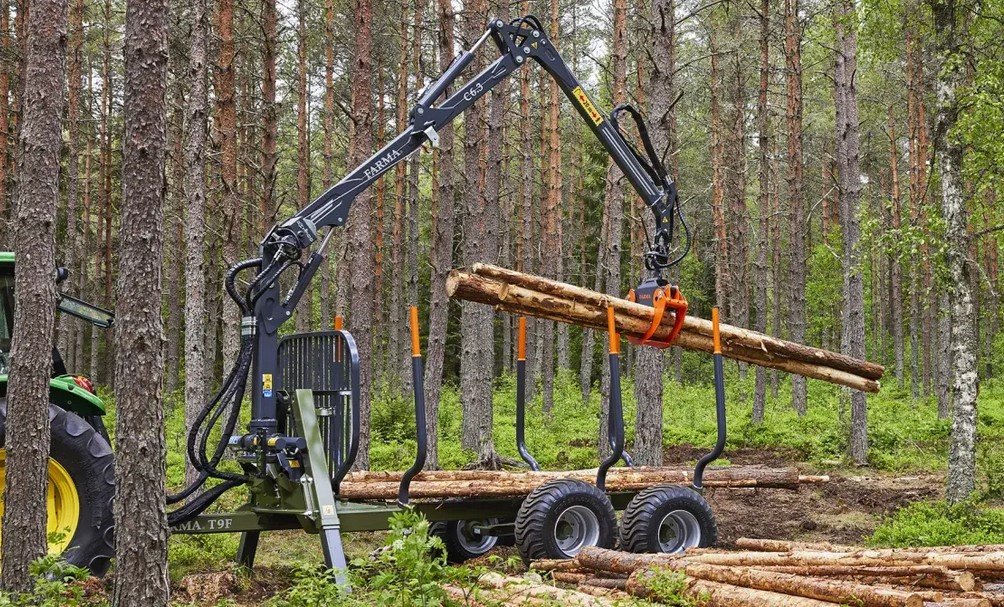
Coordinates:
518 42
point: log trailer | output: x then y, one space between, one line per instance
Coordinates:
303 436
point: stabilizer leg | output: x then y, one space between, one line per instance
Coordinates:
248 548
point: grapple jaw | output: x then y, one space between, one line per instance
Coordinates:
665 298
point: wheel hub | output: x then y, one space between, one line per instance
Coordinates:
62 503
678 531
575 528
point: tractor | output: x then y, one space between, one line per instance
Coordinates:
81 465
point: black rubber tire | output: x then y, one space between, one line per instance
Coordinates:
89 460
457 550
643 517
536 522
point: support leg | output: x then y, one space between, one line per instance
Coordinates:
247 548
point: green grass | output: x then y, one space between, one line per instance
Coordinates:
940 524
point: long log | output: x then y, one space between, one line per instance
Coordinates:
531 590
463 483
975 562
927 576
516 299
730 335
836 591
768 545
714 594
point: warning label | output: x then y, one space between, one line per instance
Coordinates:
587 105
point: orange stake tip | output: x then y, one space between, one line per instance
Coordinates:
416 349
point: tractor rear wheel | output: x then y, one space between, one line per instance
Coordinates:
81 488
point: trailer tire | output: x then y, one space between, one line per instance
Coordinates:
667 519
462 544
84 464
561 517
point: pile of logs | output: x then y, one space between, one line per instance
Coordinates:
495 484
771 572
521 293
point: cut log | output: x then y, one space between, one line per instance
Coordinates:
766 545
975 562
589 309
613 593
568 577
927 576
617 583
471 484
554 565
715 594
613 561
836 591
730 335
524 589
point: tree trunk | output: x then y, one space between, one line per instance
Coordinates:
360 252
6 68
848 161
763 209
196 121
480 239
140 462
966 384
174 257
305 309
226 126
440 255
27 447
269 156
396 350
797 224
895 269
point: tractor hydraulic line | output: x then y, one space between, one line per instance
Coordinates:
421 432
616 411
521 397
698 483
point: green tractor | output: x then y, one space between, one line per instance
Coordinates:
81 469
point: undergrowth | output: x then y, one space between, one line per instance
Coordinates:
940 524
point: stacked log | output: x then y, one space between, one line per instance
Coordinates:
521 293
495 484
797 573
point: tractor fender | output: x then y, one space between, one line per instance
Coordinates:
65 393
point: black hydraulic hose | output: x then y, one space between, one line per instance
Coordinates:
698 483
199 505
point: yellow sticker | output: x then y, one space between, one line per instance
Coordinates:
266 382
587 105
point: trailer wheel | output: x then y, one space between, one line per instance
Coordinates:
561 517
81 488
667 519
462 539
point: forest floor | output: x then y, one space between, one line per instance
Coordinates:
846 510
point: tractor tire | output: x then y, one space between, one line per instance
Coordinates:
462 544
84 463
561 517
667 519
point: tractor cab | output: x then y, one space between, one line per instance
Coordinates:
66 304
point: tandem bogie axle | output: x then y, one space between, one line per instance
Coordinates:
303 437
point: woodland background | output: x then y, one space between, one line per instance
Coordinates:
803 134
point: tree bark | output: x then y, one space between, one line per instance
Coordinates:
27 441
763 209
304 309
6 67
269 156
226 126
848 162
480 239
797 224
140 462
895 268
440 255
966 383
196 121
360 253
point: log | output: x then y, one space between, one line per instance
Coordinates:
532 590
975 562
471 484
613 561
767 545
616 583
568 577
634 319
554 565
715 594
836 591
927 576
613 593
730 335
